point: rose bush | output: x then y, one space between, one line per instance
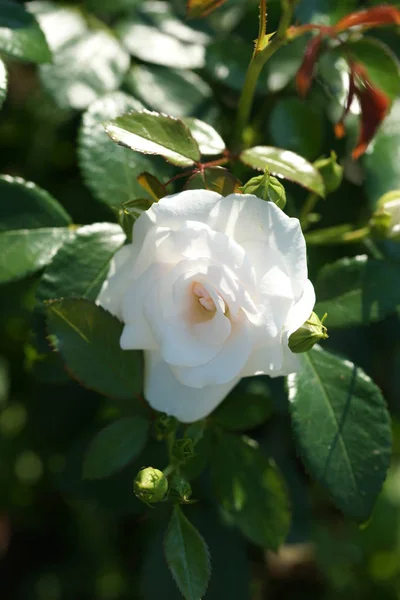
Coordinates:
211 288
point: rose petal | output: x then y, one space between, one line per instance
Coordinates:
165 393
118 280
226 365
245 217
172 211
302 309
177 342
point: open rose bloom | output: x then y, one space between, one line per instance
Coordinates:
211 288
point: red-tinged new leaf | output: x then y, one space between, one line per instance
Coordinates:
340 129
370 17
305 74
202 8
374 107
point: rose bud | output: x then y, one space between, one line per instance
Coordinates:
331 171
309 334
266 187
385 222
150 485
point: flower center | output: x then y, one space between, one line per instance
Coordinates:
204 297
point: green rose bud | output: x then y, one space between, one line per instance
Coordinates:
180 489
385 222
308 334
183 450
266 187
331 171
276 192
150 485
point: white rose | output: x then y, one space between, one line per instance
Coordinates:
211 288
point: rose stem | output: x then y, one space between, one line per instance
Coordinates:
263 50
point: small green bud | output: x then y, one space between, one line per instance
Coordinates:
164 425
276 192
310 333
266 187
180 489
331 171
385 222
150 485
183 450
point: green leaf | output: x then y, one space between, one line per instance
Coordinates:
20 34
286 164
25 251
81 264
342 428
250 488
227 61
187 556
202 8
208 140
382 171
381 63
297 126
174 92
154 133
87 338
74 79
160 38
226 547
115 446
3 82
24 205
217 179
248 406
109 170
357 291
60 23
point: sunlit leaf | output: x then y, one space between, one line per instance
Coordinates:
109 170
176 92
154 133
208 140
73 79
20 34
25 251
3 83
286 164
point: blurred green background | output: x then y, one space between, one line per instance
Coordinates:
62 538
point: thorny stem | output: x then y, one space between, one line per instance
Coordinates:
263 50
200 167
